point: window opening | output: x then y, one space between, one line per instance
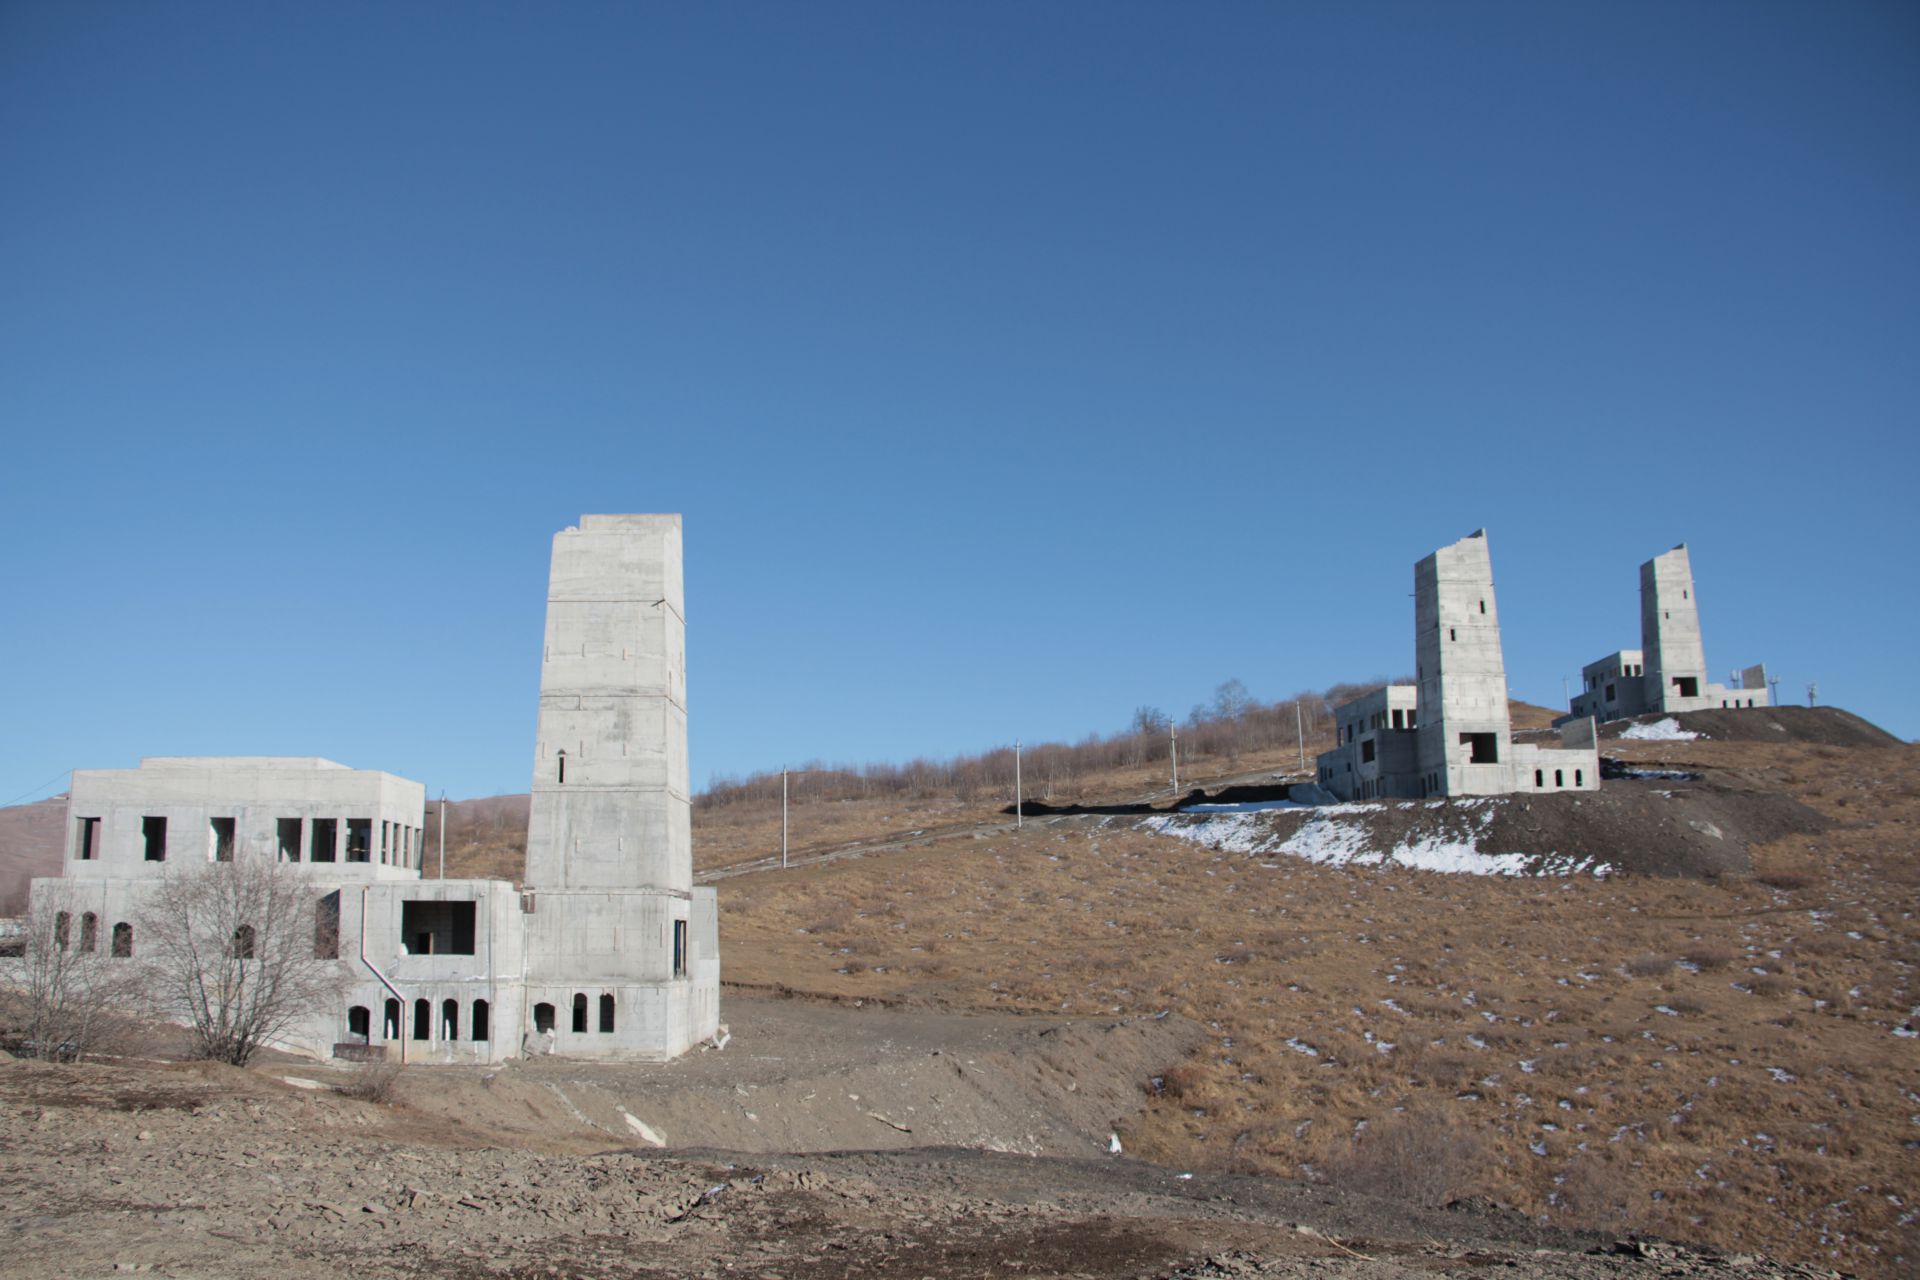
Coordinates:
289 839
153 831
62 929
1539 778
1483 748
326 927
580 1011
359 836
322 839
122 941
359 1024
88 830
431 928
422 1020
449 1020
89 931
561 757
679 948
480 1013
220 839
1366 750
606 1011
243 942
1559 778
1687 686
390 1024
543 1018
1579 777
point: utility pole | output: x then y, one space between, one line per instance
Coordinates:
1173 754
443 833
1016 784
783 819
1300 732
1774 685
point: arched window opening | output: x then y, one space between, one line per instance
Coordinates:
580 1011
543 1018
359 1023
62 929
1559 778
606 1011
422 1020
561 757
1539 778
449 1020
390 1024
243 942
481 1030
89 931
122 941
1579 777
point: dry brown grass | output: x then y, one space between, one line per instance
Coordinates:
1701 1100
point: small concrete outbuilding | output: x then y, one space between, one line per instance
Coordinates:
1451 734
1668 673
610 951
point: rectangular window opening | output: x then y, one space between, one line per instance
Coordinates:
1366 751
430 928
153 833
1483 748
86 839
220 839
679 948
322 833
287 833
1687 686
359 838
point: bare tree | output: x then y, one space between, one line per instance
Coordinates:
234 951
71 997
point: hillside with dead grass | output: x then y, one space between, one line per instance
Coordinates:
1727 1059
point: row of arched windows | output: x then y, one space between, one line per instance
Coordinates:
90 932
360 1021
543 1014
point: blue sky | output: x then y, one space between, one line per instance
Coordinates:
1013 365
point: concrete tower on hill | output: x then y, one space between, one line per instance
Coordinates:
610 894
1465 734
1451 734
1668 672
1670 627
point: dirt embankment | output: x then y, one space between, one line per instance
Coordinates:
1676 825
801 1075
211 1171
1820 726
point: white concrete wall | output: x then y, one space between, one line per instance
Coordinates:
1462 672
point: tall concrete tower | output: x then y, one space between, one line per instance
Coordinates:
1676 662
622 951
1465 736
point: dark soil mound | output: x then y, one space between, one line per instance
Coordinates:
1828 726
1659 828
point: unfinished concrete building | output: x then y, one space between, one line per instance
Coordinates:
1451 734
1668 673
608 952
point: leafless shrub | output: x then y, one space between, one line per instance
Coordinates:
371 1080
1421 1157
228 950
1708 957
70 996
1647 966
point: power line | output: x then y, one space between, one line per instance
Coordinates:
34 790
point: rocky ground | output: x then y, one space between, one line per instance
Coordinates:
208 1171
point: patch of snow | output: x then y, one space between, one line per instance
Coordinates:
1667 730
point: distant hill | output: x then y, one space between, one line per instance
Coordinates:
32 840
